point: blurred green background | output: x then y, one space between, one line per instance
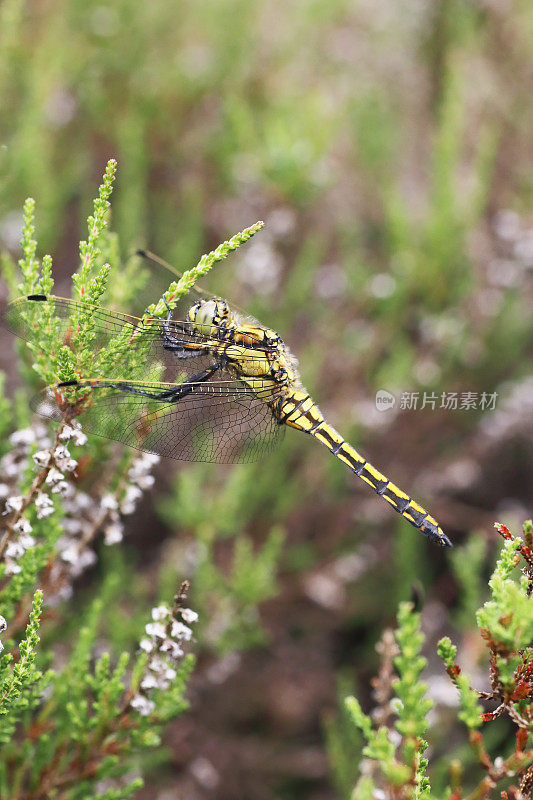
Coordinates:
387 146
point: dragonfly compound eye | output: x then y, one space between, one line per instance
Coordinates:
206 316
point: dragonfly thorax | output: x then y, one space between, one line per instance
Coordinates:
207 315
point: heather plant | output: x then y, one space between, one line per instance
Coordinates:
74 725
399 735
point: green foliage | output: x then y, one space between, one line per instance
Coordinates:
503 621
20 682
189 278
471 711
508 615
411 706
228 598
100 712
402 765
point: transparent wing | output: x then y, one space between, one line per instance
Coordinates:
173 344
218 420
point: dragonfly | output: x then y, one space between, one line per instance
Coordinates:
227 388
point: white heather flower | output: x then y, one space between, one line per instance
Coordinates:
159 613
22 526
109 502
63 488
72 526
24 437
66 433
40 431
160 670
162 682
11 567
41 458
172 648
26 541
3 624
189 615
142 705
54 476
74 432
70 554
4 490
14 550
67 464
157 665
114 533
44 505
132 494
14 503
63 460
149 682
150 459
11 467
87 558
155 629
145 482
1 647
180 631
79 438
82 502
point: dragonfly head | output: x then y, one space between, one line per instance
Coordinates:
207 315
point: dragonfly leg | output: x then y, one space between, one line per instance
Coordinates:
179 348
171 395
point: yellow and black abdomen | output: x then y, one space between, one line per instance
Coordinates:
298 411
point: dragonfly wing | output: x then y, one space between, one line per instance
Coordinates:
56 320
220 421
